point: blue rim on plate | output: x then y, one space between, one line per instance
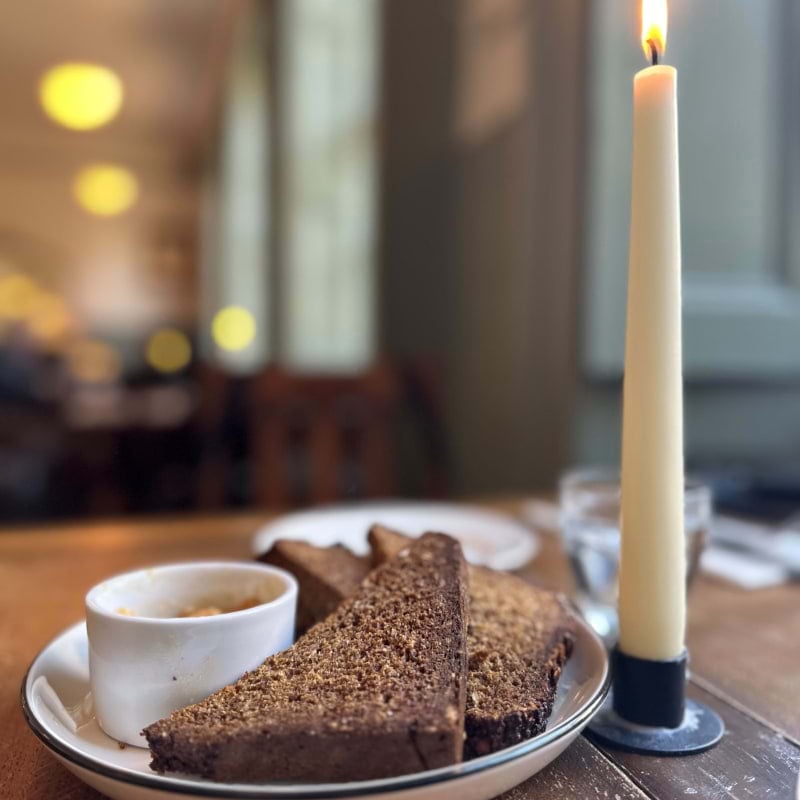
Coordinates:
312 791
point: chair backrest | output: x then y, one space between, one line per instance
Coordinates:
215 389
322 438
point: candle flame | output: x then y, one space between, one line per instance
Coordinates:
654 28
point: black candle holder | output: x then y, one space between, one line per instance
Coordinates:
647 710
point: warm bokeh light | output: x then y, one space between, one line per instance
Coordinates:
233 328
93 361
168 350
49 319
105 189
81 96
654 26
18 294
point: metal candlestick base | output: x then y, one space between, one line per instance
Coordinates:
700 730
647 711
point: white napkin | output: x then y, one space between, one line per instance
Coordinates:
785 546
46 695
72 717
762 561
742 569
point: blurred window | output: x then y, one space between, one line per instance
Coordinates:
740 170
328 76
236 204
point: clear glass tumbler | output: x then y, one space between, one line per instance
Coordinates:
590 509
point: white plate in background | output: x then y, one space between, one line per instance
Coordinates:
488 537
58 680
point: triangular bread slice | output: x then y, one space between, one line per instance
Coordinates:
325 576
374 690
518 640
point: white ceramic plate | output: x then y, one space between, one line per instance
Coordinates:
488 538
124 774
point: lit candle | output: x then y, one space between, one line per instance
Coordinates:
652 585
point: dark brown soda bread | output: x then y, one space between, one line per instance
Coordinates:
518 640
325 576
374 690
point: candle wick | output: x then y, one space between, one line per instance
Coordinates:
653 52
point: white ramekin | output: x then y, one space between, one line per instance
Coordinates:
145 666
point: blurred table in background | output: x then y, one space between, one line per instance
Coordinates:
745 650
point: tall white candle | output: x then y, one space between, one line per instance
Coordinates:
652 613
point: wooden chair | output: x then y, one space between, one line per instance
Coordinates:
214 455
323 438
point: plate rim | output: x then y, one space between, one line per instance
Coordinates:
532 540
313 791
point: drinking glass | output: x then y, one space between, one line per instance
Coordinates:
590 512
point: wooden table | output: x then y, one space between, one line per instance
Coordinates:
745 650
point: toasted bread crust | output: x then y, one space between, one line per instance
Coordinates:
374 690
325 576
518 641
